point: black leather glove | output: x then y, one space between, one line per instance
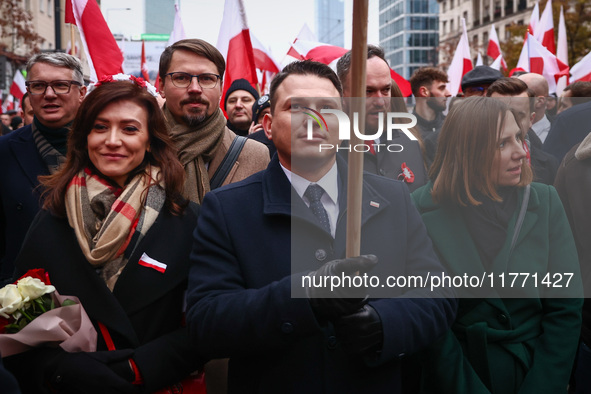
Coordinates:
361 333
332 303
93 372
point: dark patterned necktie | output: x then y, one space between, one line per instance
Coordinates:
313 194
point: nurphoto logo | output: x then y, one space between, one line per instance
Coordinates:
392 119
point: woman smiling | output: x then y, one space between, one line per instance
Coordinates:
117 234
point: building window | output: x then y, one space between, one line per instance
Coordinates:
466 17
443 6
41 5
443 27
28 5
451 26
49 8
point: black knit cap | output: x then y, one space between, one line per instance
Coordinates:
259 106
241 84
480 75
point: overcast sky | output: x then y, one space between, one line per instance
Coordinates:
274 23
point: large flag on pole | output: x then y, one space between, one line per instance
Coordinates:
461 62
537 59
582 70
178 31
18 88
103 54
144 64
235 45
545 29
494 47
562 51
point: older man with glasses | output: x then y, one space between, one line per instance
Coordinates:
191 78
55 87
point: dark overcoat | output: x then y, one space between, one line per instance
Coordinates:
500 345
240 302
145 310
20 165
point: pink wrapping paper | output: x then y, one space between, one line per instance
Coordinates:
66 326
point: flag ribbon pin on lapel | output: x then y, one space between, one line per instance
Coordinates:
149 262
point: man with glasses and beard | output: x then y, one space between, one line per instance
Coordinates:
191 79
55 87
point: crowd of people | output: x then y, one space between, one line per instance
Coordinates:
196 238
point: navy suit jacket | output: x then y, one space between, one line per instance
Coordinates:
21 164
568 129
240 302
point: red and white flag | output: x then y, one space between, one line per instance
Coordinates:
235 45
178 30
144 65
494 47
533 21
497 63
264 62
460 64
330 54
582 70
562 51
537 59
479 61
545 29
103 54
18 87
8 104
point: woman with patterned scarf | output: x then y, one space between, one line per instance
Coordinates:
116 233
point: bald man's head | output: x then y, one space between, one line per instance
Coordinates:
536 82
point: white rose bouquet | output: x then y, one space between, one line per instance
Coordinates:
33 313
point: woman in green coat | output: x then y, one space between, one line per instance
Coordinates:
510 336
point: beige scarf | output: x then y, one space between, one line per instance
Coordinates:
107 219
197 146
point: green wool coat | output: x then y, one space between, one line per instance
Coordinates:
507 345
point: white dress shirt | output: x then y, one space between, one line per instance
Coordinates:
541 128
330 199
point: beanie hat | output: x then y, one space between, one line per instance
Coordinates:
480 75
259 106
240 84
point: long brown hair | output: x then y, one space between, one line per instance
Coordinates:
466 151
162 153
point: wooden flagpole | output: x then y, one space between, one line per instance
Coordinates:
72 40
355 179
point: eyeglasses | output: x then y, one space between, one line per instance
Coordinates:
59 87
475 90
183 80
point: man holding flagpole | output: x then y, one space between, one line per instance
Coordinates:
252 300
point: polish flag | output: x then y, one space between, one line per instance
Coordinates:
537 59
545 29
103 54
8 104
562 51
582 70
460 64
178 31
235 45
330 54
144 66
494 47
18 87
147 261
264 62
534 20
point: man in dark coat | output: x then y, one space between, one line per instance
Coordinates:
55 85
251 299
396 158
